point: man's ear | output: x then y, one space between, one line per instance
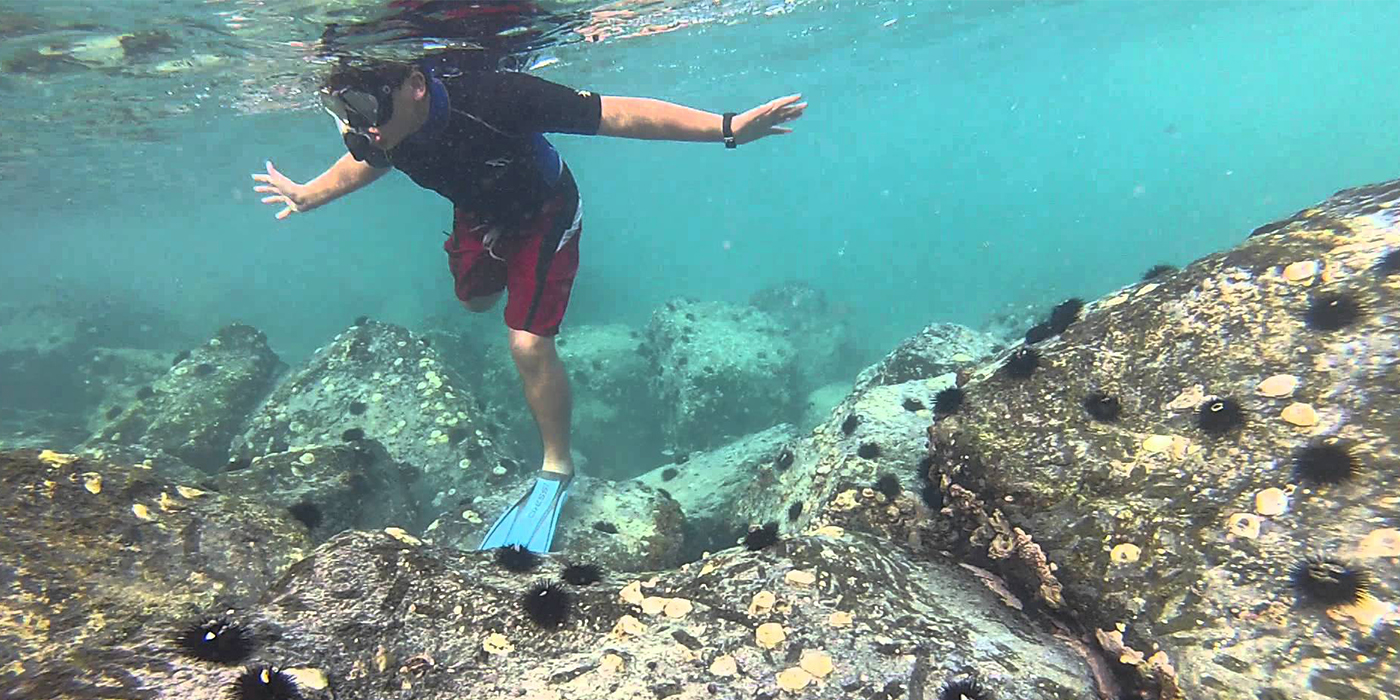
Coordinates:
418 84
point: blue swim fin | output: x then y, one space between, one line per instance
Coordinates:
531 521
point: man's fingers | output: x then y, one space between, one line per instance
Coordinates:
284 213
264 188
274 199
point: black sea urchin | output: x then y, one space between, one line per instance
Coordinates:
794 511
759 538
353 434
1039 332
145 392
888 484
965 688
218 640
308 513
1022 362
582 574
948 400
264 683
669 473
784 459
868 450
848 426
357 407
516 558
1102 407
548 604
1157 271
1326 582
1219 416
1389 263
931 495
1325 461
1065 313
1332 311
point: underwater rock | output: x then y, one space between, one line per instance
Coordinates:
1051 499
194 410
723 490
719 372
817 330
648 533
96 554
614 416
355 485
372 612
381 379
938 349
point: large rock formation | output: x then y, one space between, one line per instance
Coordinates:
195 409
1260 408
720 372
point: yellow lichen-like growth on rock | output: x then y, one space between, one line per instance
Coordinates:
769 635
761 603
1271 501
496 643
1300 414
1125 553
816 662
794 679
724 666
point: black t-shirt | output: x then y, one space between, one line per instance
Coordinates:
486 152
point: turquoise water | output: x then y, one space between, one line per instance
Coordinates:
958 161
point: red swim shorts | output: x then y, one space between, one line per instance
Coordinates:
535 261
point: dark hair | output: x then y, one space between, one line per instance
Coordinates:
368 75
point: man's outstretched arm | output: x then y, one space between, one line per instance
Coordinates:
646 118
342 178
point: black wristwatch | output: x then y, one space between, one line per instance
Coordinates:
727 130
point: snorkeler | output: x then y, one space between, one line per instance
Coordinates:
476 138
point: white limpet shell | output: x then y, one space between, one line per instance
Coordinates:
1279 386
1300 414
1301 271
1271 501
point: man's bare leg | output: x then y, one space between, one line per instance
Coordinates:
547 392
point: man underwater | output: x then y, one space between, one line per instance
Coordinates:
476 138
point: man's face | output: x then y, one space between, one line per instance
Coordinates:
410 111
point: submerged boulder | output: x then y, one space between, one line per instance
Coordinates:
95 554
380 382
1202 468
827 615
720 372
938 349
195 409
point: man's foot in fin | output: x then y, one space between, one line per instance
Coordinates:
531 521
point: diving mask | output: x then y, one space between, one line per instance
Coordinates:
359 109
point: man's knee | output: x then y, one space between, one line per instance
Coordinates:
529 350
480 304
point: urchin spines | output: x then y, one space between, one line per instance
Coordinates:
216 640
264 683
516 558
1219 416
548 604
1328 582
